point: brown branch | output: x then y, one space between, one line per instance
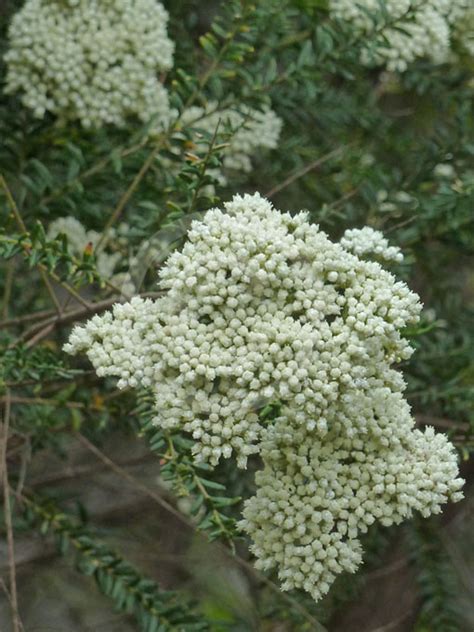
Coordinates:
333 206
86 470
41 401
7 593
41 330
449 424
7 292
39 336
389 569
45 328
90 172
42 268
55 382
17 627
129 193
395 624
302 172
131 479
19 320
50 289
12 205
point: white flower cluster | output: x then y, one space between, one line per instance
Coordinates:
259 306
403 30
315 497
366 241
79 238
95 61
263 312
252 131
444 170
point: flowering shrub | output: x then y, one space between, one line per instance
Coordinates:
254 399
401 31
90 60
261 308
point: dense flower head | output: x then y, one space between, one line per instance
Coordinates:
252 131
260 307
272 339
402 31
366 241
316 497
95 61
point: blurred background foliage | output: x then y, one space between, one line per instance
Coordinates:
89 478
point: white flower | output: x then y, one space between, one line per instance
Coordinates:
444 170
401 31
366 240
315 498
95 61
263 312
260 306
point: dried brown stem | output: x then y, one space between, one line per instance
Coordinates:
41 330
448 424
17 627
304 170
8 287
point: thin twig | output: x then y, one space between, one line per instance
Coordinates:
86 470
449 424
12 204
131 479
7 292
90 172
26 318
7 593
401 224
128 193
39 336
204 167
42 268
304 170
333 206
69 289
43 329
388 570
41 401
8 517
394 624
51 291
55 382
25 459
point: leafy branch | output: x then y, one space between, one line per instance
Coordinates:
155 610
189 478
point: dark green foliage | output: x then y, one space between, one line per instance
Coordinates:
437 580
208 498
359 146
20 364
155 610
